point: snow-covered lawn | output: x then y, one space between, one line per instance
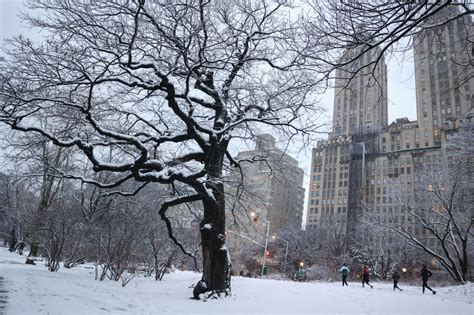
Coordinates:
35 290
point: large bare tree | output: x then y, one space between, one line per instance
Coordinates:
154 91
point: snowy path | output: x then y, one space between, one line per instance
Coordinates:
34 290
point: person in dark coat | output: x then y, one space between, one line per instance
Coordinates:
344 271
425 274
395 278
366 277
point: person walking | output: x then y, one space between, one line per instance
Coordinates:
425 274
395 278
345 272
366 277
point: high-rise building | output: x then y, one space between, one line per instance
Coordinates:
444 74
275 183
272 196
360 98
363 156
337 167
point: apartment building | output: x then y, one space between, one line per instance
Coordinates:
272 196
365 159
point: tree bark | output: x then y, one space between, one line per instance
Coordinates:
30 260
216 258
464 262
12 240
216 263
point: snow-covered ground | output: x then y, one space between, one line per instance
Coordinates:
35 290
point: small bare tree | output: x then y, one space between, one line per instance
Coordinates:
379 248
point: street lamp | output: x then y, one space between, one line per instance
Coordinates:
286 252
300 271
404 270
255 217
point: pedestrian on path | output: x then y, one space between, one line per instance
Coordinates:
366 277
395 278
425 274
345 272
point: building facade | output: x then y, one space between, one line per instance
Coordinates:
272 196
364 159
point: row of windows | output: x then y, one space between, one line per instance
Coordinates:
340 201
328 211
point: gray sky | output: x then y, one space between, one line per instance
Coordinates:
401 82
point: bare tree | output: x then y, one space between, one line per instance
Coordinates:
116 236
14 199
379 248
167 85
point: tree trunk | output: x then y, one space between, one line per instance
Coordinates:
216 261
157 272
12 240
30 260
216 258
465 262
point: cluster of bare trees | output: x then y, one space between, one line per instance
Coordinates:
124 236
67 222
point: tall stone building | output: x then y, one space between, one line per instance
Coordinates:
272 195
360 98
362 158
338 164
444 76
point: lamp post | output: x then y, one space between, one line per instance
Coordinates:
300 271
255 217
404 270
286 252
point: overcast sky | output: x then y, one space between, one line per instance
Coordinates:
401 83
